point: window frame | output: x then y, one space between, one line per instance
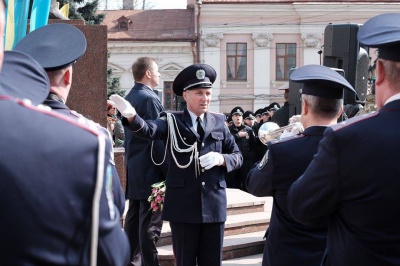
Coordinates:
285 57
237 62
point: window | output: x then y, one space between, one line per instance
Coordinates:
123 25
169 103
236 61
285 59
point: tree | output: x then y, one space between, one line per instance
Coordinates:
113 85
84 9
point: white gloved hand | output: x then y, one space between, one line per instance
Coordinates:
211 159
123 106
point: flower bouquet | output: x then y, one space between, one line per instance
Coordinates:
157 195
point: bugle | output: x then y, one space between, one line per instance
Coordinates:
271 131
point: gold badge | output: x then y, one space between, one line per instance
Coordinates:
200 74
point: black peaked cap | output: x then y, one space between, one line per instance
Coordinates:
321 81
54 46
194 76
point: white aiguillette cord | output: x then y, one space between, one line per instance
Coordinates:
96 200
171 120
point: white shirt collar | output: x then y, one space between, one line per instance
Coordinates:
393 98
194 119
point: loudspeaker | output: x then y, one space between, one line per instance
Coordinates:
343 51
294 96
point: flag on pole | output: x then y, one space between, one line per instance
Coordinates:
39 14
16 22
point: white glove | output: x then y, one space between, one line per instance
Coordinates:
123 106
211 159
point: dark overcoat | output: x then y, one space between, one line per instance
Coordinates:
48 166
60 107
141 172
287 241
354 181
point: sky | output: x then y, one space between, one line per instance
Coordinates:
158 4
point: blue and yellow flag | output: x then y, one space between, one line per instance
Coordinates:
39 14
16 22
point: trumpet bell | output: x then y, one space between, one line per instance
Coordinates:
268 131
271 131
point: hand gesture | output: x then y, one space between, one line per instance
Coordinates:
123 106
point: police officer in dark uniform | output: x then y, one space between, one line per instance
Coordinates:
201 152
287 241
257 114
244 137
281 116
56 47
249 118
55 195
272 108
353 179
259 147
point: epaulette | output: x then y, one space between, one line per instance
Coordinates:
217 113
44 110
353 120
76 114
163 114
277 141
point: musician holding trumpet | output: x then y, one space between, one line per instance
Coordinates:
287 241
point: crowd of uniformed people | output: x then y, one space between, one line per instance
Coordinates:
335 202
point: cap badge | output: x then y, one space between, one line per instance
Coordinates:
200 74
237 110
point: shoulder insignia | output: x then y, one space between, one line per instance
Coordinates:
176 112
354 120
76 114
276 141
263 161
164 118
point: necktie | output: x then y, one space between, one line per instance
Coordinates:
200 129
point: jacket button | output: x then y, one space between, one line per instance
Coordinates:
203 183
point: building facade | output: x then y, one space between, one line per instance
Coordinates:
251 44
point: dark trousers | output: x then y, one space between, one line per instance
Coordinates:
237 178
143 228
197 243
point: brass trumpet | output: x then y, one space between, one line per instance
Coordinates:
271 131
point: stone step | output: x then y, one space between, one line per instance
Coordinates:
235 224
239 202
235 246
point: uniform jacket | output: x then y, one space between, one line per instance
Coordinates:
61 108
287 241
140 170
354 180
190 198
246 145
47 203
281 116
